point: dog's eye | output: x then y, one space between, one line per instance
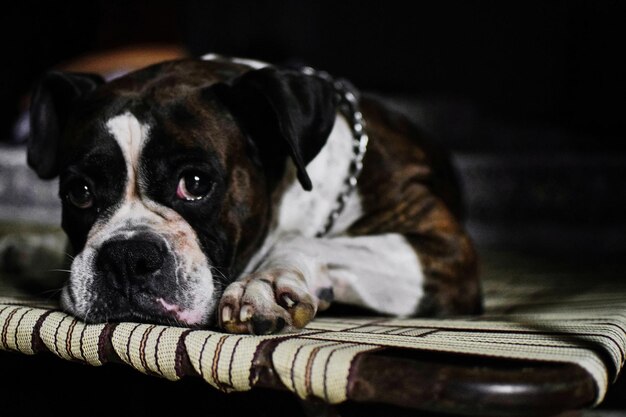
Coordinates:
193 186
79 194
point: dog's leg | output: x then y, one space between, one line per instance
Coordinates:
301 275
447 256
428 267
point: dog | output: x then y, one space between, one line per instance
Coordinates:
233 193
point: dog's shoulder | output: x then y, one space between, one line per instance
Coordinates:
400 148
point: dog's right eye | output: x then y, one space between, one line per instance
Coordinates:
79 194
193 186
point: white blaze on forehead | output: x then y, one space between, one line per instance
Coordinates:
130 135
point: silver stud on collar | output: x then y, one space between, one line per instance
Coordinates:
349 108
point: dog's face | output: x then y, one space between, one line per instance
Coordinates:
167 176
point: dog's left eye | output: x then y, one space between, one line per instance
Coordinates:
193 186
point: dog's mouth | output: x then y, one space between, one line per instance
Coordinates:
162 313
139 307
139 279
189 317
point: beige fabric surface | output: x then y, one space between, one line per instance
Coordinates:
552 317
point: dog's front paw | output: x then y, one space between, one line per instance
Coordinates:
267 302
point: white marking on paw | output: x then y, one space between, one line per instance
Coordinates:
381 272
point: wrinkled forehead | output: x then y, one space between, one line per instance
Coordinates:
195 126
169 104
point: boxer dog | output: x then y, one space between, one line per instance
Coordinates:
198 193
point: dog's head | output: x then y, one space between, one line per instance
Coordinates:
167 176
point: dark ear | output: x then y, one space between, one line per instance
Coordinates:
52 98
286 113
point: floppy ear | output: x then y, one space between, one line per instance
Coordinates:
51 101
285 113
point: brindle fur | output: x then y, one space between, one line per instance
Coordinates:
176 97
408 187
194 117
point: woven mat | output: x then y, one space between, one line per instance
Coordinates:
554 317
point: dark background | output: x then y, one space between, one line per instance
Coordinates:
543 64
528 95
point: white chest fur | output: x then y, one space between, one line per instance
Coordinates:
306 212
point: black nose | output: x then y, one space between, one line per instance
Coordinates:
131 262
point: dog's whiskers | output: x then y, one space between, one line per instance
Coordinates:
51 293
86 318
223 282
